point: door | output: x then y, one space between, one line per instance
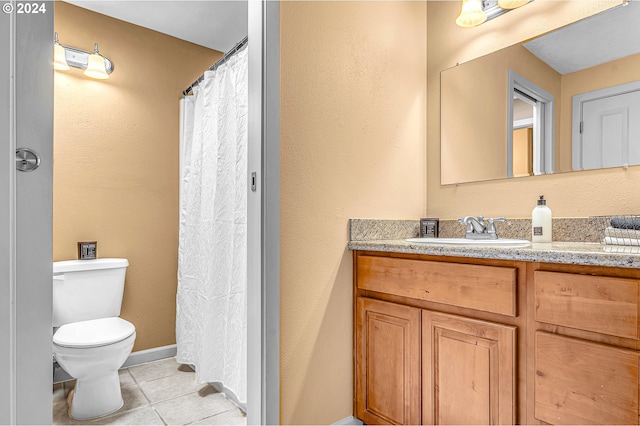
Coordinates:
26 118
387 363
540 103
608 128
580 382
468 371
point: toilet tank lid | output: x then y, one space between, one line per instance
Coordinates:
88 265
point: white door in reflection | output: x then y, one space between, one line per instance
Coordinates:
609 129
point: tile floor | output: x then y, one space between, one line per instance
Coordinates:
158 393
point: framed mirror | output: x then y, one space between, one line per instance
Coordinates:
567 100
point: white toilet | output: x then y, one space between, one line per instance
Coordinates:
91 343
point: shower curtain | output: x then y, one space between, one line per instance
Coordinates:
211 317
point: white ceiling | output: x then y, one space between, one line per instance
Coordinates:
604 37
215 24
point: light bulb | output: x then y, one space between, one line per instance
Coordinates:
512 4
471 14
59 56
96 67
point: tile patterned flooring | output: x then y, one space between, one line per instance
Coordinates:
158 393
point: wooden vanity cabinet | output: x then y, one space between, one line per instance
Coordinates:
444 340
417 365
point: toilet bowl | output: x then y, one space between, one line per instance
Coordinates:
92 342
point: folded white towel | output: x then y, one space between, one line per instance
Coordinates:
622 233
622 241
609 248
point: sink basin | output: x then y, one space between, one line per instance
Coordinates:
500 242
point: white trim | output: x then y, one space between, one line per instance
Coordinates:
8 400
33 221
12 220
136 358
271 215
13 397
524 123
349 421
576 115
263 222
543 157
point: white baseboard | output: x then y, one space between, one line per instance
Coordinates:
349 421
136 358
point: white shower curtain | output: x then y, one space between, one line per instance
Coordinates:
211 318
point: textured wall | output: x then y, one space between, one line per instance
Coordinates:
569 194
353 96
116 147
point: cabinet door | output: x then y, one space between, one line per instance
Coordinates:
580 382
387 363
468 369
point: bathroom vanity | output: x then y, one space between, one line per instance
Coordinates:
547 334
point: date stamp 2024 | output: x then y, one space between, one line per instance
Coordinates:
25 8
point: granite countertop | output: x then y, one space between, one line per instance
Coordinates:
388 236
593 254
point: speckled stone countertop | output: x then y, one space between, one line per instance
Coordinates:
391 239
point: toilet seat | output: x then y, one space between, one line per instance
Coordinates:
93 333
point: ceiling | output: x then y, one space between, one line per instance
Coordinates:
215 24
601 38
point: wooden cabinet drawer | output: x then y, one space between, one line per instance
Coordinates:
485 288
600 304
580 382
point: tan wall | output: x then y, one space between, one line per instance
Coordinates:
612 73
474 112
116 147
353 95
569 194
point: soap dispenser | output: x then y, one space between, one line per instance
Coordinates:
541 222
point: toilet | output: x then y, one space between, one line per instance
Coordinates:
90 341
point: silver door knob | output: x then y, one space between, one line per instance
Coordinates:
27 160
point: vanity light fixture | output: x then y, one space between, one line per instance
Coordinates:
59 57
471 14
94 64
512 4
475 12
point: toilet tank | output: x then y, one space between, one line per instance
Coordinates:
87 289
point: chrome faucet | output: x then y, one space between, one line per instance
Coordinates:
478 230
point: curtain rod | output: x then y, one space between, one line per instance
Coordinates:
219 62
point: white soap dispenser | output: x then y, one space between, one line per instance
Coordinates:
541 222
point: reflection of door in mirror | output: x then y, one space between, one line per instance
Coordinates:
523 111
589 55
606 127
530 148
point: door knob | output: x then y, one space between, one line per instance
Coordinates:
27 160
